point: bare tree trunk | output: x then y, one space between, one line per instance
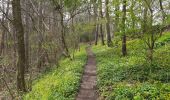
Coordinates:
163 14
109 40
16 8
96 29
124 51
152 43
96 34
144 25
63 35
41 52
27 31
102 35
151 39
162 10
117 8
101 26
133 14
2 42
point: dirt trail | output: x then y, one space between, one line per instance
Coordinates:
87 89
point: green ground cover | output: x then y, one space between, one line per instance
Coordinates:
133 77
62 82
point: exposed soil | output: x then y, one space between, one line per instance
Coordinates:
88 90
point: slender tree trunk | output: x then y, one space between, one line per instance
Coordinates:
63 36
144 25
124 51
101 26
27 31
162 10
133 14
102 35
152 40
40 36
2 43
117 8
3 23
109 40
95 18
16 8
96 34
163 14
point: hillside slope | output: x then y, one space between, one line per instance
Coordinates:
62 83
133 77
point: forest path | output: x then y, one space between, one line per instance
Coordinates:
88 86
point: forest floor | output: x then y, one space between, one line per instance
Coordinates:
62 82
133 77
107 75
88 86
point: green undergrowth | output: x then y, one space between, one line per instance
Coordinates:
61 83
163 40
133 77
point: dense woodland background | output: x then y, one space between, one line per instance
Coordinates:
36 34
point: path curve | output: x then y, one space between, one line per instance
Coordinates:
88 90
